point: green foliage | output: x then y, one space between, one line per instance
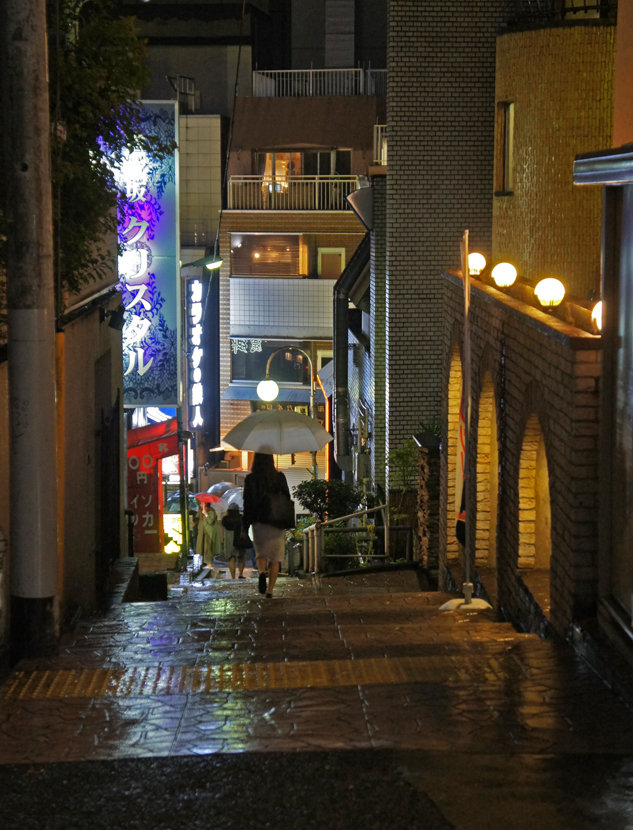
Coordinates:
332 498
403 465
340 544
97 64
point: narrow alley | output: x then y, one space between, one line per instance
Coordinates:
350 701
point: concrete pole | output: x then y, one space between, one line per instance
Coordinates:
31 332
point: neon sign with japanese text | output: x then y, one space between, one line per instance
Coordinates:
148 267
195 313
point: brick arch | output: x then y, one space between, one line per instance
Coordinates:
454 394
535 538
487 466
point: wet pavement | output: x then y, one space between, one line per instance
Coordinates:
343 701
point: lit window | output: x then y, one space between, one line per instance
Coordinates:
504 155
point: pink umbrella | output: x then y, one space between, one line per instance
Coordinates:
208 498
219 505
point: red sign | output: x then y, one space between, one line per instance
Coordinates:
146 447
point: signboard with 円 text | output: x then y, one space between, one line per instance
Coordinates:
149 274
147 446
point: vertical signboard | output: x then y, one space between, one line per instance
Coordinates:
149 273
196 295
146 447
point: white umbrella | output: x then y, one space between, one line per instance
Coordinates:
278 432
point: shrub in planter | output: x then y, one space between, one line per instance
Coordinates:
327 498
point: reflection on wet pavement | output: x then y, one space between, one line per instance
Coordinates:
326 665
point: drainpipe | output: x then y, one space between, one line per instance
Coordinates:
342 289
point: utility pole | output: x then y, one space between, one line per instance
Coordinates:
31 328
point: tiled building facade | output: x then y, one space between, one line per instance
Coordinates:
532 466
440 98
532 487
555 118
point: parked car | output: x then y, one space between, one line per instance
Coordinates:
172 503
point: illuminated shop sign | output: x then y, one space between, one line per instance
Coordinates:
148 267
195 313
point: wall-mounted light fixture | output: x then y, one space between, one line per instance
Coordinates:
115 317
549 292
504 274
596 315
211 260
476 263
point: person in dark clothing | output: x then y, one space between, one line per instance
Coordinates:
264 479
236 540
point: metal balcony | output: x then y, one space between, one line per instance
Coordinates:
302 83
291 192
548 12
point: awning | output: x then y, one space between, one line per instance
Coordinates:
235 392
153 441
326 376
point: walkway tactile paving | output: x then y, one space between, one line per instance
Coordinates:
325 664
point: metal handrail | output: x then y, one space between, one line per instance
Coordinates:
313 537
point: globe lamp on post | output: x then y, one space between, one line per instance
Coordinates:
268 389
504 274
476 263
549 292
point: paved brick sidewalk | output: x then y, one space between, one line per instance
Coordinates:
464 706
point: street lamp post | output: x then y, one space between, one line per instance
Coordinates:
268 389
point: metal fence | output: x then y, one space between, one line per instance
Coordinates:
548 11
353 541
291 192
308 83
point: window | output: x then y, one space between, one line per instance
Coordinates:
265 255
249 359
277 166
331 262
504 143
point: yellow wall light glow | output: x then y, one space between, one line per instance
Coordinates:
550 292
476 263
596 315
504 274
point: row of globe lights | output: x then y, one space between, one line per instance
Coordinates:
549 291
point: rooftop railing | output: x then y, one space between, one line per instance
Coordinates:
537 12
291 192
308 83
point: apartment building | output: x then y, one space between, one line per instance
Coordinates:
301 144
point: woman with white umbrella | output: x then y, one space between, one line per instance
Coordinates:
261 483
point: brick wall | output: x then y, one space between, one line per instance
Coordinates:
440 117
561 83
544 375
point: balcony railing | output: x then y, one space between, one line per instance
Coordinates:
380 144
536 12
308 83
291 192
